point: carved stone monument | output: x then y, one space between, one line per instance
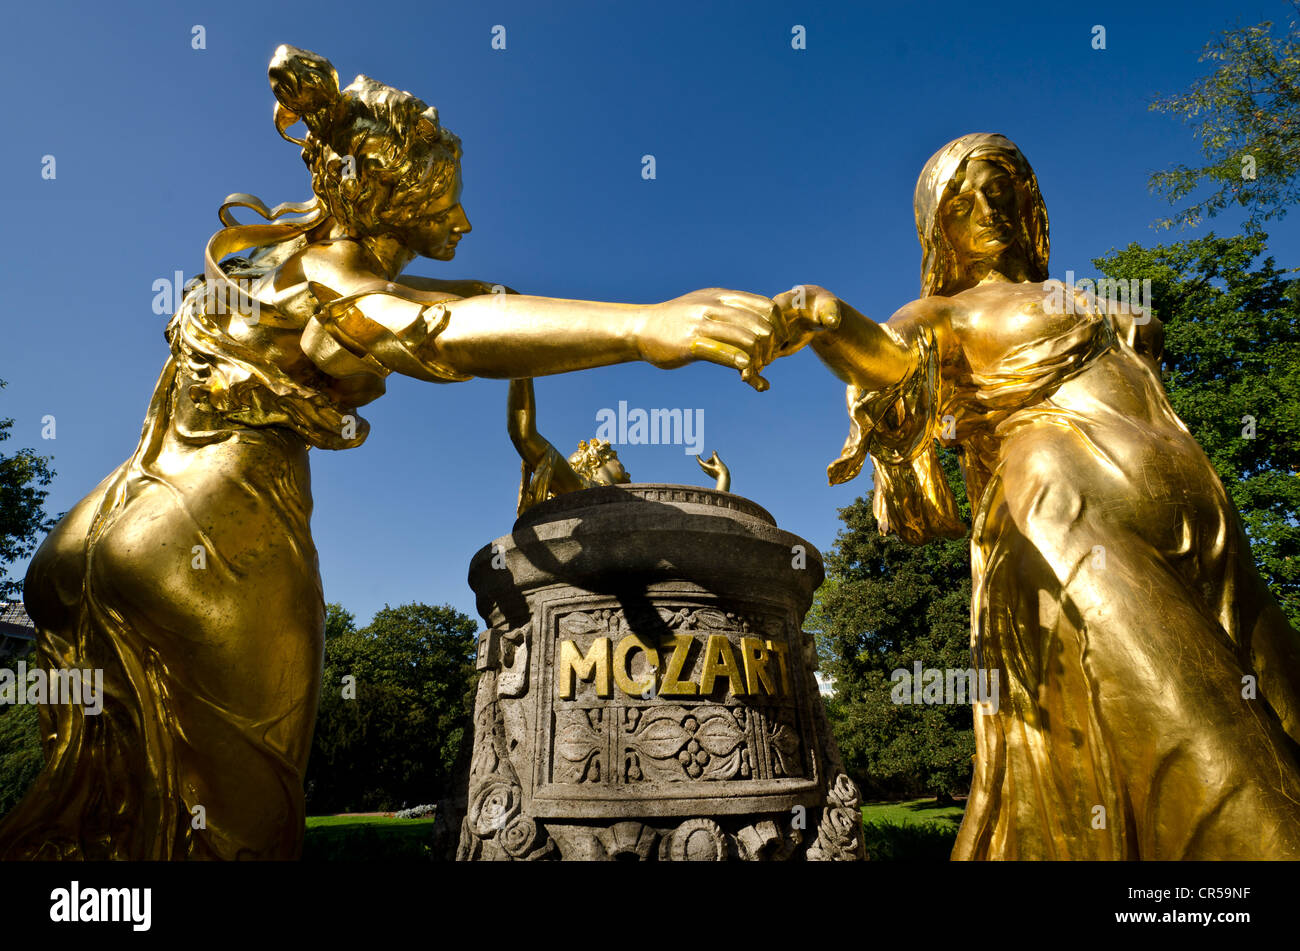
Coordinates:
646 687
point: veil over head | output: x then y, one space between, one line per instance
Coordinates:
938 264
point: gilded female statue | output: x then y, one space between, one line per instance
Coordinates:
189 574
1114 587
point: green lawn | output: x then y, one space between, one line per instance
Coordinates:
326 822
911 812
914 830
367 838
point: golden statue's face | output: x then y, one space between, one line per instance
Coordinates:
977 218
437 228
612 473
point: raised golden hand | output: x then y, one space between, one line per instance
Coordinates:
718 469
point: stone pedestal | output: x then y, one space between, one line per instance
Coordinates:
646 688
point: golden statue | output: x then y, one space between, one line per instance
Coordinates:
1114 587
189 574
547 474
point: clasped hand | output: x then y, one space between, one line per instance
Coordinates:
735 329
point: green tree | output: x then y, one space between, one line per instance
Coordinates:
23 522
886 605
20 745
1246 114
338 620
395 742
1232 372
23 477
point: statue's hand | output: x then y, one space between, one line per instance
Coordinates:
718 469
731 328
712 465
806 310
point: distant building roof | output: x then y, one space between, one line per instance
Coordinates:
14 621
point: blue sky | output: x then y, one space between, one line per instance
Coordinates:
774 167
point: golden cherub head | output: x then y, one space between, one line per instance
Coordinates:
380 161
598 461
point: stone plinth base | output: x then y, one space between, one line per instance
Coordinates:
646 687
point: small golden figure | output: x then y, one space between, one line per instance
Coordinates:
547 474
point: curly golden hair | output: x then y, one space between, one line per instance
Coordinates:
376 154
591 456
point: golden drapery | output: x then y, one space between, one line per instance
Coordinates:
1150 685
190 578
1115 593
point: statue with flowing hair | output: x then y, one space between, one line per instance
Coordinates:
1151 684
189 575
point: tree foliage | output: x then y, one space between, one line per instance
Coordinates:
23 477
21 758
886 605
396 742
1246 114
338 620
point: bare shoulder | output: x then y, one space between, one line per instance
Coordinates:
342 266
937 315
998 302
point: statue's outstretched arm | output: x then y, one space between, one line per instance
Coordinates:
855 348
432 334
466 288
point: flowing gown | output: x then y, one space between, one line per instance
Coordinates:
1150 685
189 577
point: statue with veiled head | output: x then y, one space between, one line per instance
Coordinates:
1113 585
